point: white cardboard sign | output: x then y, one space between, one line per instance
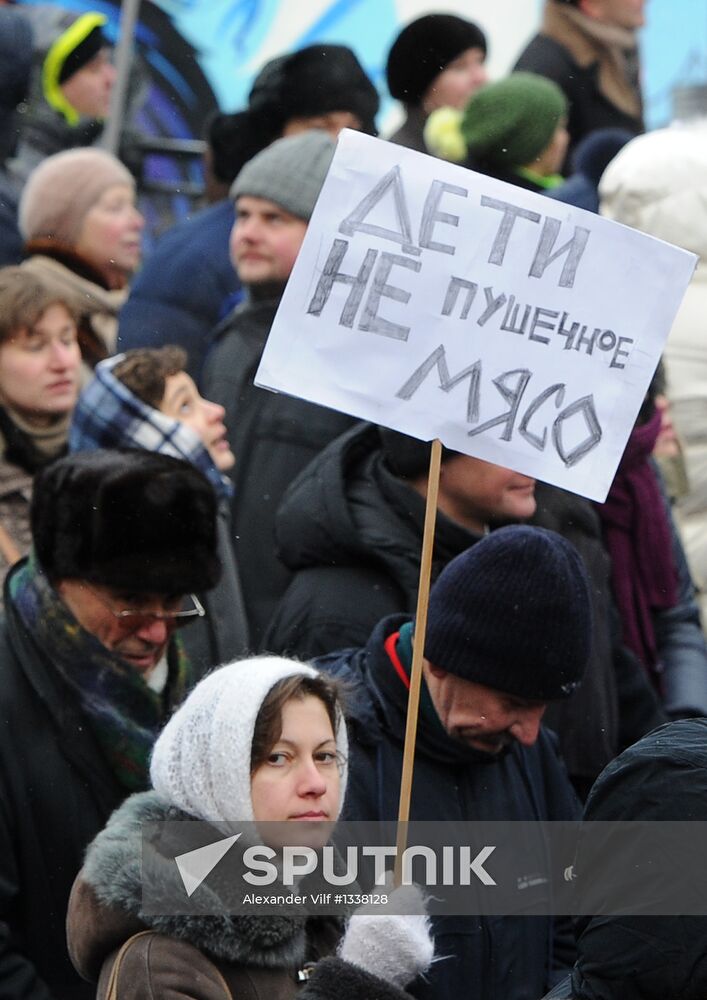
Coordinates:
444 303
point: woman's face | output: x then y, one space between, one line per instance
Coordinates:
40 367
182 401
111 234
300 779
460 78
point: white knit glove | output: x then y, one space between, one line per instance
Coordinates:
395 943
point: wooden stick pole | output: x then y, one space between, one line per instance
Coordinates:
423 596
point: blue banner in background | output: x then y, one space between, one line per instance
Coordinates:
231 39
195 56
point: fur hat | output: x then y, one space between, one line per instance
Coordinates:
126 519
513 613
510 122
60 191
289 173
313 81
201 760
424 48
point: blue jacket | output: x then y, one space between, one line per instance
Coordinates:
186 286
487 958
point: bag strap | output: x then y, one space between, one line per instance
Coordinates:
112 990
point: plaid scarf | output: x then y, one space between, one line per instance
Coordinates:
123 713
109 415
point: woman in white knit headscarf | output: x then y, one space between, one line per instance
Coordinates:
261 740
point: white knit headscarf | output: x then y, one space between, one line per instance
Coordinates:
201 759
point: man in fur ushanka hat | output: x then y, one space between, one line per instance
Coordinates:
91 671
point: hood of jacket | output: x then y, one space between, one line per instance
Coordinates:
118 874
347 509
656 184
377 699
662 777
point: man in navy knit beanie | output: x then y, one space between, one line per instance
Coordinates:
509 630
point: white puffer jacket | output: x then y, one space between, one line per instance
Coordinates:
658 184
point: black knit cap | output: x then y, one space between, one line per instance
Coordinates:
313 81
513 613
126 519
424 48
85 51
408 457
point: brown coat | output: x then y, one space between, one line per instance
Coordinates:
194 957
142 963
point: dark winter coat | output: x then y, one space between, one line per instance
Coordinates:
591 157
351 532
515 958
411 132
56 792
567 56
661 778
11 242
178 296
274 437
15 67
188 956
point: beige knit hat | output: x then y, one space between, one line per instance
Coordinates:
61 190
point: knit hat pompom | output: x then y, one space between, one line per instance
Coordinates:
443 136
289 173
513 613
201 760
61 190
509 123
424 48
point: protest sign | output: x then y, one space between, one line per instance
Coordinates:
446 304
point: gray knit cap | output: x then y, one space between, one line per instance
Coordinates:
290 172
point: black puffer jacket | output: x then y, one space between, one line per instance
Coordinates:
663 777
351 532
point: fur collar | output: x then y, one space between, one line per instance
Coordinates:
114 871
589 41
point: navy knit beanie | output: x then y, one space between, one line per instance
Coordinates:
424 48
513 613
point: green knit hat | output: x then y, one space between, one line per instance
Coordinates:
510 122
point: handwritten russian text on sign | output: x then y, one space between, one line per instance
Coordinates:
446 304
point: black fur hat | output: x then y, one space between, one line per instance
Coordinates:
310 82
126 519
424 48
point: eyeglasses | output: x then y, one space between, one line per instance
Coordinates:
180 616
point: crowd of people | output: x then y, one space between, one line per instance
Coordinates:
210 590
